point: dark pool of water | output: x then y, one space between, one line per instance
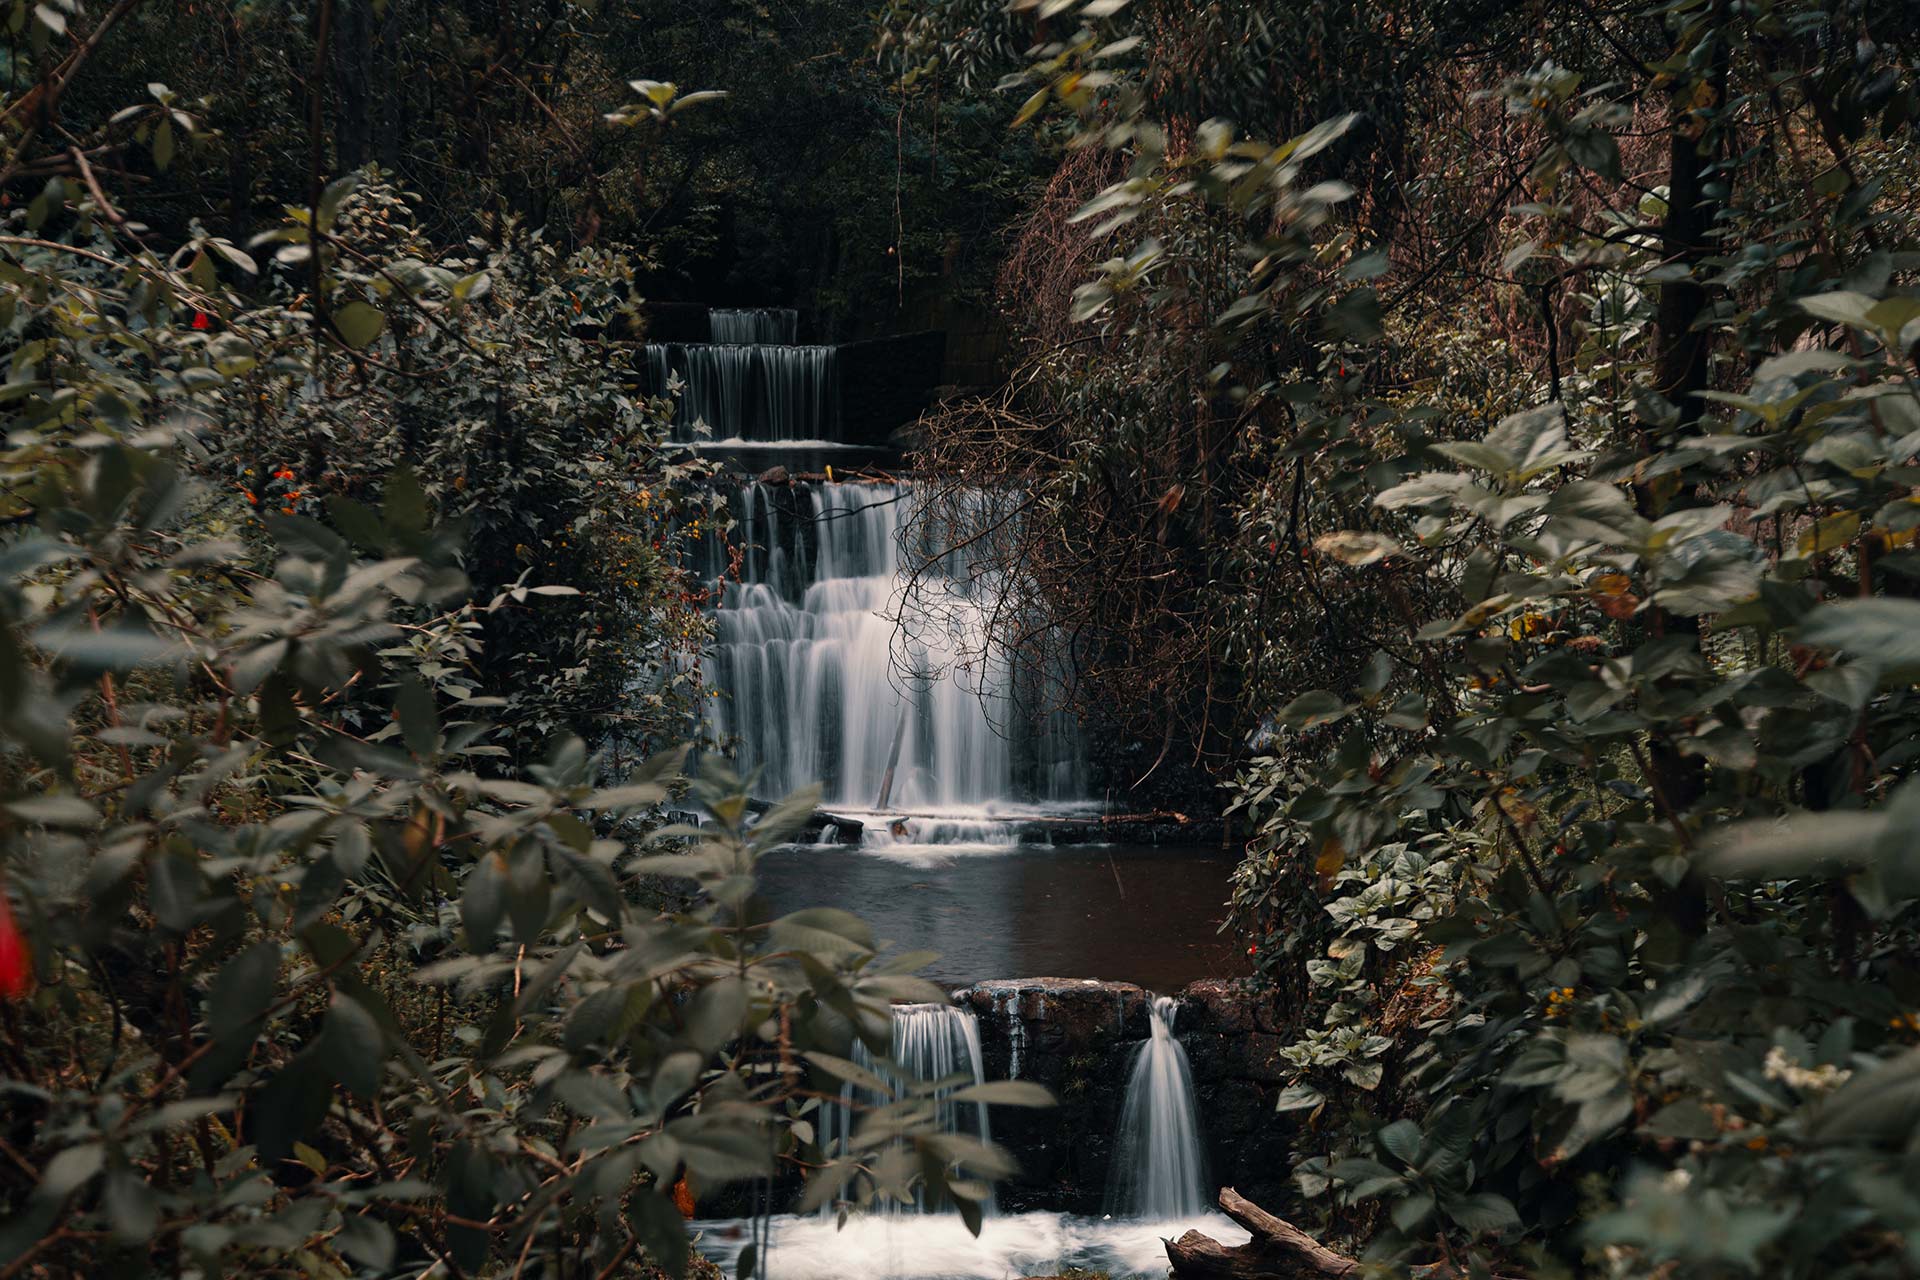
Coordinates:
1143 915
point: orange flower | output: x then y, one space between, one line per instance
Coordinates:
284 473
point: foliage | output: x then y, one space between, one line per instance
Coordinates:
330 942
818 180
1568 601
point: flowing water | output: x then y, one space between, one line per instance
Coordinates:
942 755
931 1042
887 1247
819 684
1159 1170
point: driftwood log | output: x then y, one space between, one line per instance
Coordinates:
1278 1251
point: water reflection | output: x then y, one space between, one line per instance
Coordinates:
1127 914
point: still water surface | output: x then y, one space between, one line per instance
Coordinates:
1147 915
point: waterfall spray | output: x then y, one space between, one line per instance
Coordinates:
1159 1170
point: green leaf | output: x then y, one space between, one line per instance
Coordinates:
352 1047
413 703
1401 1140
1482 1212
56 809
1843 307
335 195
1880 1107
1313 708
716 1012
1594 149
359 323
1883 629
132 1207
238 999
484 901
1006 1093
69 1171
367 1241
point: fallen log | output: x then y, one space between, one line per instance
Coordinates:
1278 1251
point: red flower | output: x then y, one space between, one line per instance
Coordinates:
201 320
284 473
1254 949
16 963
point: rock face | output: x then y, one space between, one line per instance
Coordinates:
1078 1037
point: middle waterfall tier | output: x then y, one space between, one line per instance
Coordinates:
818 684
749 391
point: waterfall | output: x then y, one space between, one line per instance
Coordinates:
757 393
817 688
930 1042
816 682
755 325
1159 1171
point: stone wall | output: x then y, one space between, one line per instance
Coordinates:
886 383
1078 1037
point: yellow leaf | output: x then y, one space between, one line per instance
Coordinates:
1829 532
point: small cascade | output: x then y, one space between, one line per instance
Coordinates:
819 688
930 1042
1159 1170
956 834
755 326
751 393
818 684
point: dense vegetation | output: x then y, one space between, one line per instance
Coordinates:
347 642
1482 435
1518 458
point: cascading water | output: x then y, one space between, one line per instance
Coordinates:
818 691
931 1042
1159 1170
816 684
759 394
755 325
753 383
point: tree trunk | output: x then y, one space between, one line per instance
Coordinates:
1278 1251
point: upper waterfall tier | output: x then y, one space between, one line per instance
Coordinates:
755 325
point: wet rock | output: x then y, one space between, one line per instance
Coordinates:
1217 1004
1256 1057
1055 1013
1078 1037
775 476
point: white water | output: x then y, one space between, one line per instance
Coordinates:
817 682
885 1247
1159 1170
931 1042
749 391
755 325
